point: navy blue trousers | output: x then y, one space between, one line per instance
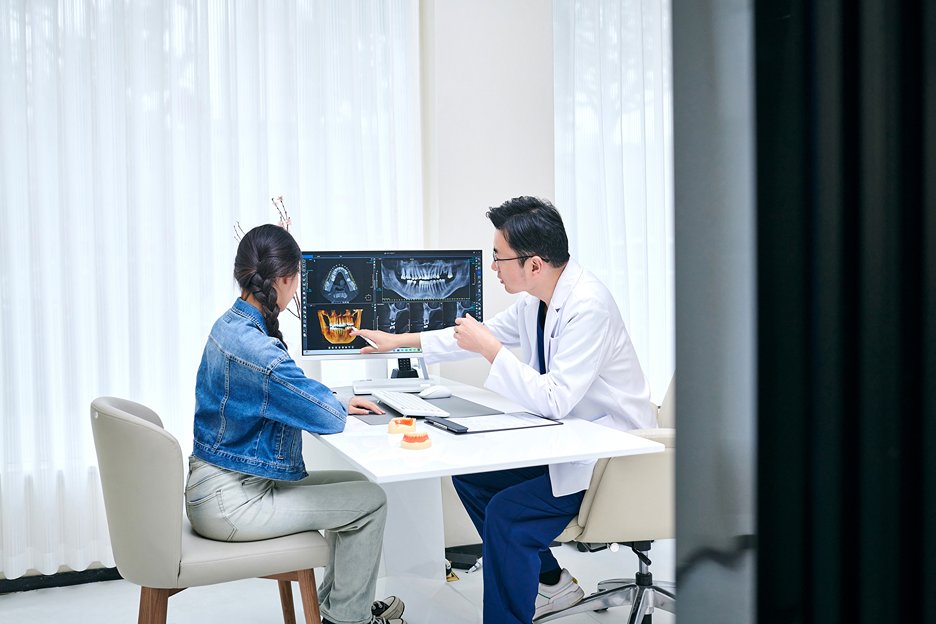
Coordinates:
517 517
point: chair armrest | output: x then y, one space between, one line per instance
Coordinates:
666 437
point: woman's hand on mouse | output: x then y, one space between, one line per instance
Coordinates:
358 405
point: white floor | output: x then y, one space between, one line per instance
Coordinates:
257 600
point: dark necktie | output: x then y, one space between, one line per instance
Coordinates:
540 326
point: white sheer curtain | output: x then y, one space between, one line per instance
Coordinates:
614 161
133 135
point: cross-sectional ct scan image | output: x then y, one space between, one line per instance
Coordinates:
393 318
452 310
339 285
426 316
417 279
342 282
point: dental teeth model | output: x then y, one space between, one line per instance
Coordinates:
416 441
402 425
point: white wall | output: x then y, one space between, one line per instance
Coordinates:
487 121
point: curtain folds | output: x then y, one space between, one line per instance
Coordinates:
614 161
133 137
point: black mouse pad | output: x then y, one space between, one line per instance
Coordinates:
455 406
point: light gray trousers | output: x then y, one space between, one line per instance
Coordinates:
232 506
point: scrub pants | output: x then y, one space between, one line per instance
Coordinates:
231 506
517 517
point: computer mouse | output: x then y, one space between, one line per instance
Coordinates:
436 392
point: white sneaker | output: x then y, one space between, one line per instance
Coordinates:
390 608
552 598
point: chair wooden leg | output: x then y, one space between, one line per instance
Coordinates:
286 600
309 593
154 605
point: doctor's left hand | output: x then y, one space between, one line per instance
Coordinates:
475 337
358 405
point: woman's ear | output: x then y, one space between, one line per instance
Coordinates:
287 280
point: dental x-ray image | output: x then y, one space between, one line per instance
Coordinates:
452 310
336 326
416 279
339 285
330 327
393 291
426 316
393 318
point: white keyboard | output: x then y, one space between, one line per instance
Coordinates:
408 404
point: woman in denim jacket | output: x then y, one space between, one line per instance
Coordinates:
247 480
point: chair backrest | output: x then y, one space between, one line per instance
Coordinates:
666 415
631 498
141 475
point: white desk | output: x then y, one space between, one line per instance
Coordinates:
414 542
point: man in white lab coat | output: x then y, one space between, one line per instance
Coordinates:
577 361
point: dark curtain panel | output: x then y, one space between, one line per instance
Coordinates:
846 238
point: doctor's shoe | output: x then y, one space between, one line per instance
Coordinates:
374 620
552 598
389 608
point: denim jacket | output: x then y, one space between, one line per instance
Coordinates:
252 400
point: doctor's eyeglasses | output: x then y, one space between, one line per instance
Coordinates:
497 260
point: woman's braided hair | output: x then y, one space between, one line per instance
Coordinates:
265 253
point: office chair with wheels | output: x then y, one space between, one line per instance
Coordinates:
630 501
142 478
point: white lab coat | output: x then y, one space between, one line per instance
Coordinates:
593 371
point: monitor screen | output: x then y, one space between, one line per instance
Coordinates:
393 291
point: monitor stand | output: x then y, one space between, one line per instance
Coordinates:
405 369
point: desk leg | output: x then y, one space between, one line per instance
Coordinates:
414 556
414 542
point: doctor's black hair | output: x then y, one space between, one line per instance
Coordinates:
265 253
532 227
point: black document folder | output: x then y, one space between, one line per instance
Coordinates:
490 422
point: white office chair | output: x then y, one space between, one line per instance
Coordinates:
631 501
154 546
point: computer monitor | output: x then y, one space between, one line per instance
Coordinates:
394 291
